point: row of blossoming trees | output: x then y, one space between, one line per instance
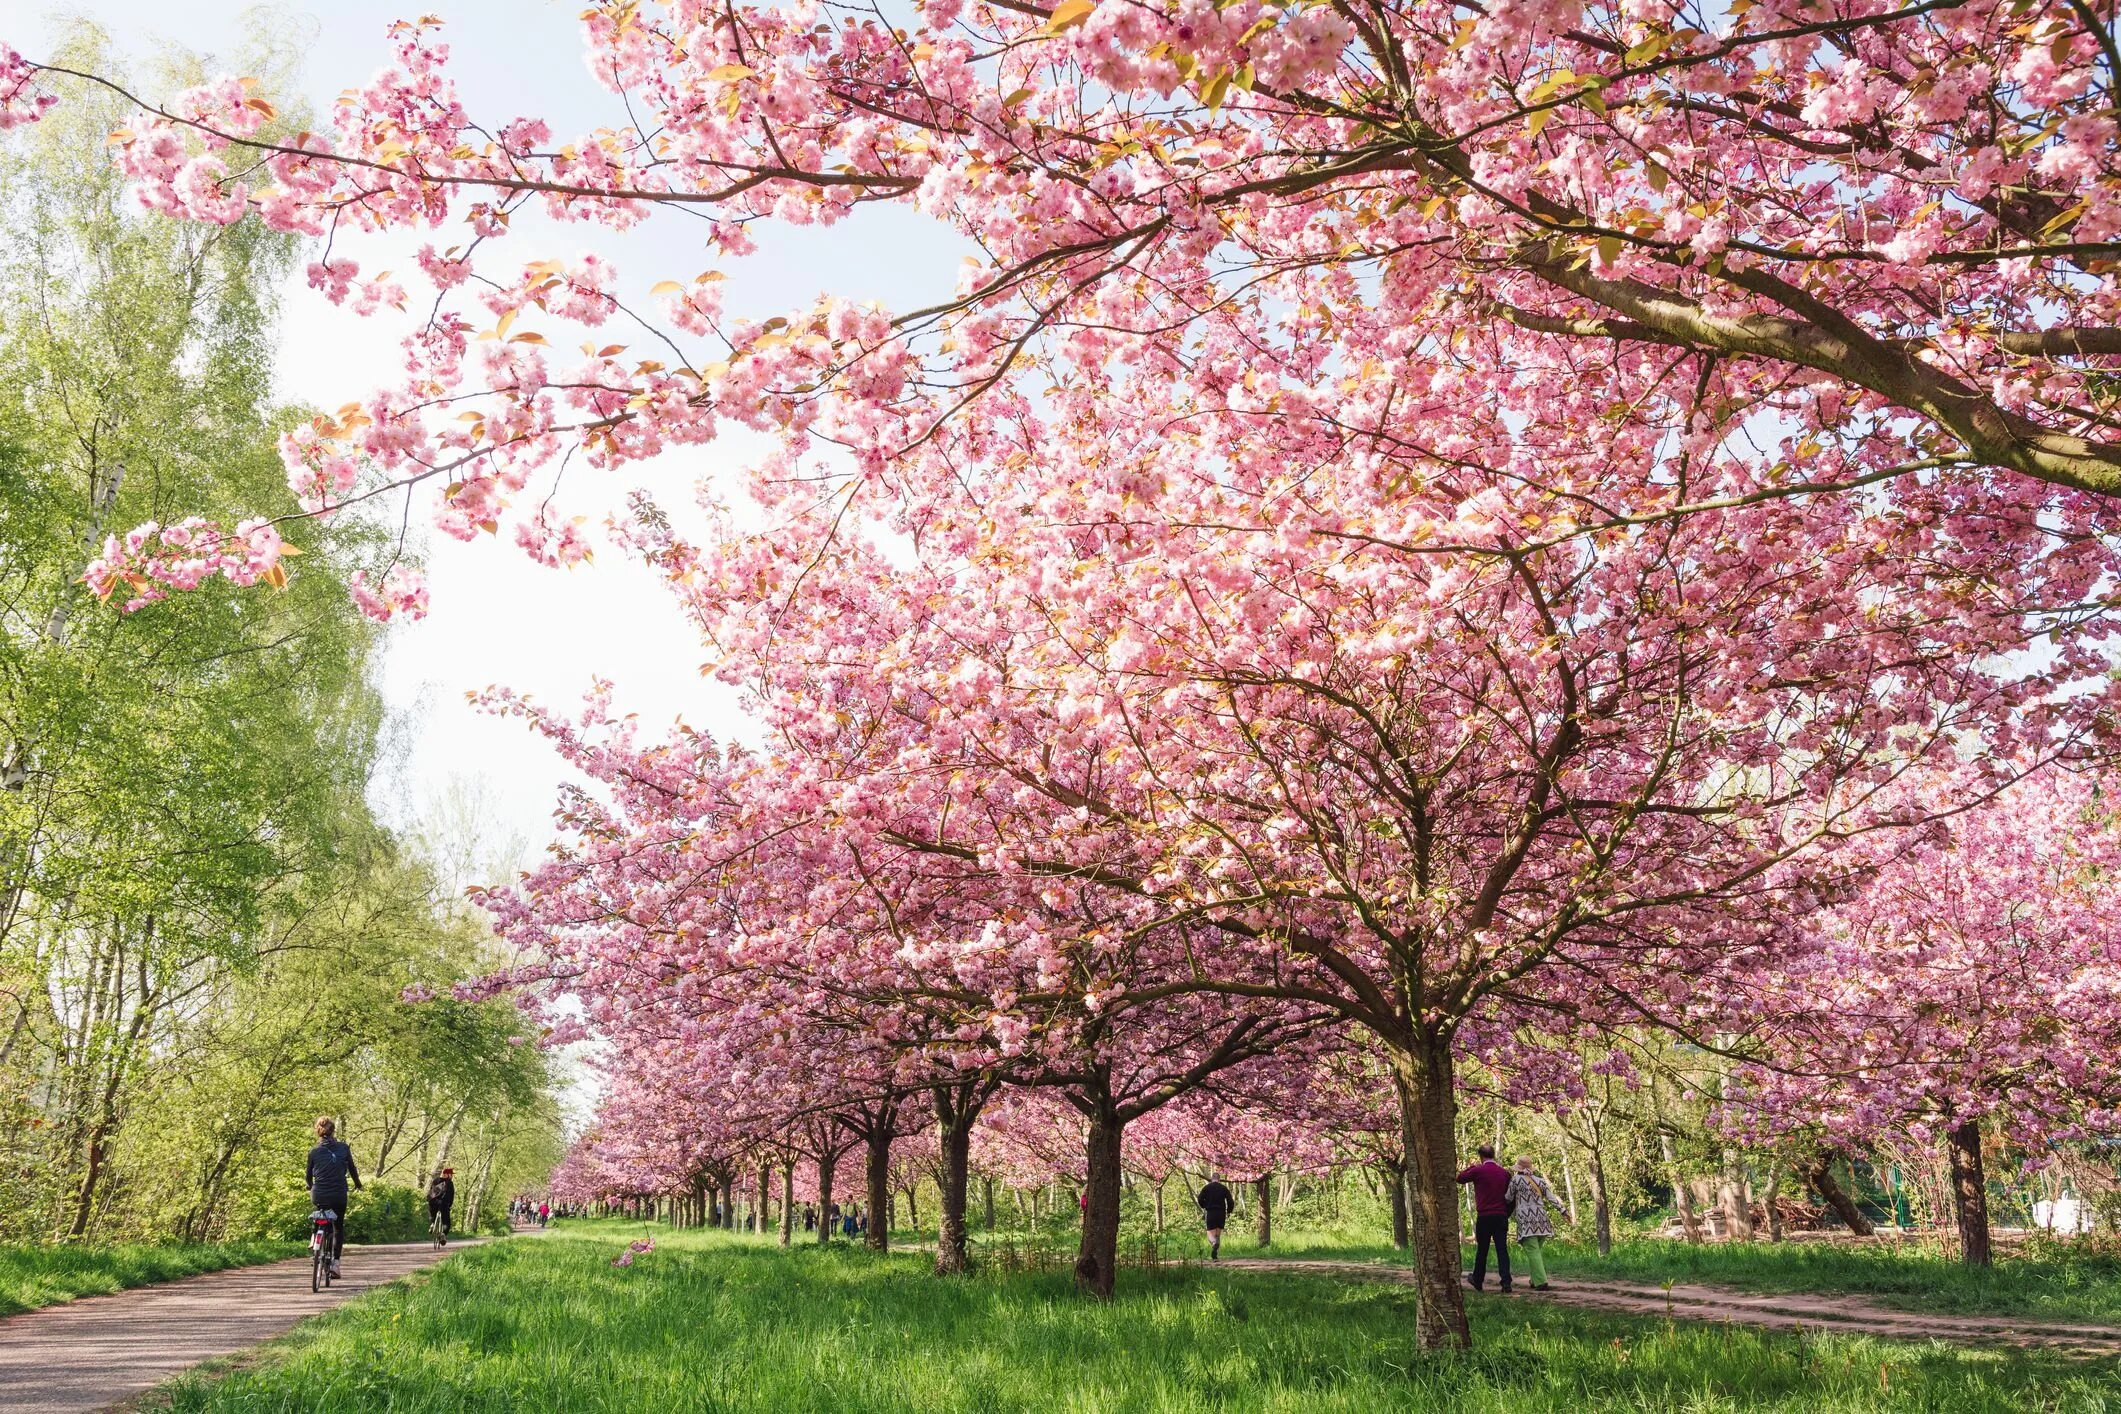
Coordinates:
1421 525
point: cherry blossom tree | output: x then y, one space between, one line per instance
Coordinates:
1975 979
1410 512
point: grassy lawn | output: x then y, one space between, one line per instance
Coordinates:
715 1322
34 1274
2059 1281
2049 1279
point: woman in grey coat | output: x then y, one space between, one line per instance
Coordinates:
1529 1196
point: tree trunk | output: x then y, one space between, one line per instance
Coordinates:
1736 1201
1159 1202
953 1135
1821 1178
1774 1201
1263 1210
825 1166
879 1197
987 1188
1682 1192
1396 1181
1970 1193
1568 1183
762 1211
1601 1205
787 1202
1098 1256
1429 1117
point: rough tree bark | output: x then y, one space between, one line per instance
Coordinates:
878 1142
787 1202
1097 1259
1396 1180
1969 1193
956 1108
1821 1177
1429 1117
825 1165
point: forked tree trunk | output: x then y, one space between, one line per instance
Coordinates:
1737 1197
1429 1116
879 1144
1097 1259
1263 1210
953 1134
1682 1191
787 1202
1821 1178
1970 1193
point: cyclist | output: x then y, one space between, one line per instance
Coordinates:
441 1197
331 1167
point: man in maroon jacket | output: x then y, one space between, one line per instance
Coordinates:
1491 1217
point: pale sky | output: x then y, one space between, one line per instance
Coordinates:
497 618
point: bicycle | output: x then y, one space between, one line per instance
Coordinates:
437 1230
322 1223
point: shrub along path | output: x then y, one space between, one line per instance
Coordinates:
1773 1310
91 1353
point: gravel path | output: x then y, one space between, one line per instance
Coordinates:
100 1350
1776 1310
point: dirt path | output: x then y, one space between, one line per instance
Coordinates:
97 1351
1775 1310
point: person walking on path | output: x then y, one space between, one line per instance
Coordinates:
544 1214
331 1168
1491 1217
1215 1203
441 1197
1528 1197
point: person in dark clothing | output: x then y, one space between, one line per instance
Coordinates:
331 1168
1215 1202
441 1197
1491 1217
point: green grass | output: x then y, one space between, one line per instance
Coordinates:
714 1322
2049 1279
2055 1280
38 1274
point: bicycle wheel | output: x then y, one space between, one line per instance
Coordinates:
319 1270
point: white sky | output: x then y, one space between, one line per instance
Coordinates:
497 618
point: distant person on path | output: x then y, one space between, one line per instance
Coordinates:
544 1214
1529 1195
331 1168
441 1197
1491 1217
1215 1202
